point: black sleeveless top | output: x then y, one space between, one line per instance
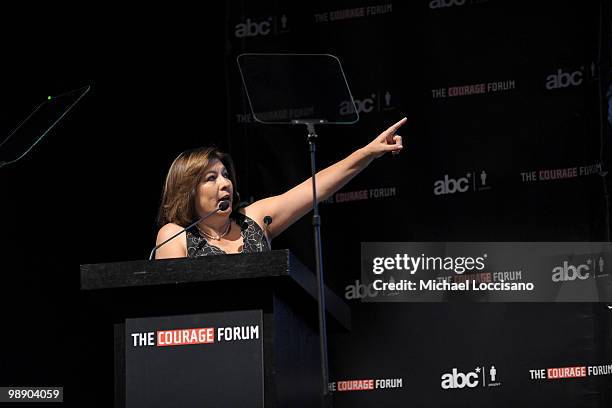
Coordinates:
253 239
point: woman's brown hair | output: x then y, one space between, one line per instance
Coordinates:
186 171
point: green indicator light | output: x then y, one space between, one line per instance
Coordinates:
49 97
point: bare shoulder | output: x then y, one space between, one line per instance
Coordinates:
167 231
176 248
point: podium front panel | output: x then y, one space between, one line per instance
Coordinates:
213 359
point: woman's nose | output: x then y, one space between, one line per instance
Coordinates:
225 183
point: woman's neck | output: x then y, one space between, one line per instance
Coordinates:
215 226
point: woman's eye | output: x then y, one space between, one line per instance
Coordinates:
210 178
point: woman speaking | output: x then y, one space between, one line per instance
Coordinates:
201 184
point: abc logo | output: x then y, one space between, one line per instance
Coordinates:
365 105
253 28
459 380
434 4
451 186
360 291
563 79
570 272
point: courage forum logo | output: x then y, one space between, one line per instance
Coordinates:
367 384
353 13
531 176
359 195
473 89
194 336
561 373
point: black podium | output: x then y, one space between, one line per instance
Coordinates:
232 330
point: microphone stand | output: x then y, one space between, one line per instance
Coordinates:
316 224
174 236
222 207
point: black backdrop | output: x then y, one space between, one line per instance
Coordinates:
89 192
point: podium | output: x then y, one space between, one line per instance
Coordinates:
227 330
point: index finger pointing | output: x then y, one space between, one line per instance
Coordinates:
396 126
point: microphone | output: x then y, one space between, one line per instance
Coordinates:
267 221
223 205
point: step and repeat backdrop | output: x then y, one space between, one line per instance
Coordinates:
506 140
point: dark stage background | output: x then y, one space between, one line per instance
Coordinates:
89 192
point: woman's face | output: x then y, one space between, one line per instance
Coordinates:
214 187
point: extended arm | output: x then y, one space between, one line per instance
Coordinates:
287 208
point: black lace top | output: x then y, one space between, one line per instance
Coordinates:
252 236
